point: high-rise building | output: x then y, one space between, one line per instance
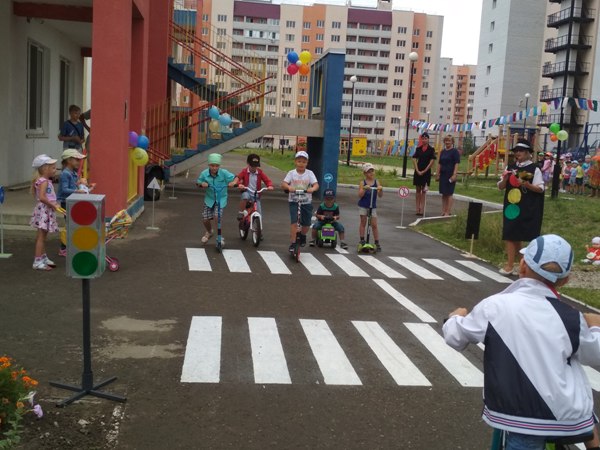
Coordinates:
455 93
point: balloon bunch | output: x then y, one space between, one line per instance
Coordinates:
557 134
299 63
218 119
140 145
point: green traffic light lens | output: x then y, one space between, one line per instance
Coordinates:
84 263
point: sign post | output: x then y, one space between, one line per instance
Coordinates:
172 197
403 192
154 186
2 254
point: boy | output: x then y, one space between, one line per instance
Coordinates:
300 179
71 133
579 174
329 209
534 383
214 176
252 178
368 191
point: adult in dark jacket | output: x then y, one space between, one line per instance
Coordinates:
422 162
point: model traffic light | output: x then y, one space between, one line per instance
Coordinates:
86 250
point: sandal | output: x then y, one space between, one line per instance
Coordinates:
206 237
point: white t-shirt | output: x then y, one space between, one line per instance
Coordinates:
300 181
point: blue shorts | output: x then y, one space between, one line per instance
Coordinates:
338 226
305 213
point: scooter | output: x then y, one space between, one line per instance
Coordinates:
367 247
300 195
327 234
220 240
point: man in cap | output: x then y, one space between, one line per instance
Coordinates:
535 387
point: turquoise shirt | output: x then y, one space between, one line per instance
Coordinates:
222 178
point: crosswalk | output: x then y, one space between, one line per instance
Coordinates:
325 264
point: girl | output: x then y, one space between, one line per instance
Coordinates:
44 217
368 191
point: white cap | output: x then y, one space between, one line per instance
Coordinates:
596 241
42 160
301 154
368 166
549 248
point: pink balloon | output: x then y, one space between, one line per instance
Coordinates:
292 69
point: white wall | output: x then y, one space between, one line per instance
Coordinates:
17 150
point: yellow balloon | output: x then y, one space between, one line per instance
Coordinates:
139 156
305 57
214 126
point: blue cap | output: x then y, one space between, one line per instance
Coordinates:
549 248
329 193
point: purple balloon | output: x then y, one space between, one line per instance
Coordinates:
133 138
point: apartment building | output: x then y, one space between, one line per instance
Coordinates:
455 93
377 41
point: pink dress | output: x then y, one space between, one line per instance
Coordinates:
44 216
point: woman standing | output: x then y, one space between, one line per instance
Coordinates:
422 161
446 173
523 203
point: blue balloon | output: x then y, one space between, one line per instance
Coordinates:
225 120
143 142
292 57
214 113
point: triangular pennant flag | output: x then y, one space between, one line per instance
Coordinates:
595 103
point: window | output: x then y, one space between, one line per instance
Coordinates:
400 43
399 56
486 91
424 97
336 24
306 25
488 70
425 84
415 45
397 95
273 22
320 24
426 72
222 18
429 33
492 25
493 4
398 82
290 24
36 88
490 48
221 31
416 32
335 38
319 37
204 31
65 90
305 38
484 113
303 79
399 69
402 30
427 46
427 59
396 108
205 18
222 45
318 50
289 37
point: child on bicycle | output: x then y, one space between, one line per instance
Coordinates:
300 179
328 212
252 178
214 176
368 191
535 387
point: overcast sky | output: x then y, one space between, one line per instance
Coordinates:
461 22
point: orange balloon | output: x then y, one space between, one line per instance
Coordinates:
304 69
553 137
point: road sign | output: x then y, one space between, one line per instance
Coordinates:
403 192
1 194
328 178
154 184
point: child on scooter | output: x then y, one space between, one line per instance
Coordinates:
300 179
366 196
213 176
252 178
329 209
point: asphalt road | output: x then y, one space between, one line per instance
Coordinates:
332 356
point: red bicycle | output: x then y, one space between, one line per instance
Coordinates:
252 220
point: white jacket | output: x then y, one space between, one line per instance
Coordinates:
535 346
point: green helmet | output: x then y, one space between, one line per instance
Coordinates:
214 158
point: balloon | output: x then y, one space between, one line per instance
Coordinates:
214 126
305 57
133 138
553 137
304 70
139 156
143 142
554 128
562 135
225 120
299 63
292 69
213 112
292 57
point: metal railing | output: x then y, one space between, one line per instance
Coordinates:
583 41
561 67
565 14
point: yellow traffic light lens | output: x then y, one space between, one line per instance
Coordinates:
85 238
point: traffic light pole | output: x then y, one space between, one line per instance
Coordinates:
87 378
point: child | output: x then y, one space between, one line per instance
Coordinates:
71 133
84 187
300 179
566 174
573 178
329 209
593 253
579 174
586 176
68 182
368 191
43 217
214 176
252 178
535 349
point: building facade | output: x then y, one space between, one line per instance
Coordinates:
455 93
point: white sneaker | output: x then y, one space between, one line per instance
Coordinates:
41 265
206 237
48 261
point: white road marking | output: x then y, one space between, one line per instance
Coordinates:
332 360
459 367
274 262
485 271
197 259
415 268
341 250
347 266
270 366
313 265
383 268
409 305
235 261
402 370
202 361
456 273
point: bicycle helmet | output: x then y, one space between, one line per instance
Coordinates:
253 160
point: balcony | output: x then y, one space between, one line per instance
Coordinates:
558 69
562 42
580 15
551 94
568 119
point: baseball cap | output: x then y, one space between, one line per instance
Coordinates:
253 160
215 158
549 248
71 153
367 167
575 163
596 240
301 154
329 193
42 160
426 134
